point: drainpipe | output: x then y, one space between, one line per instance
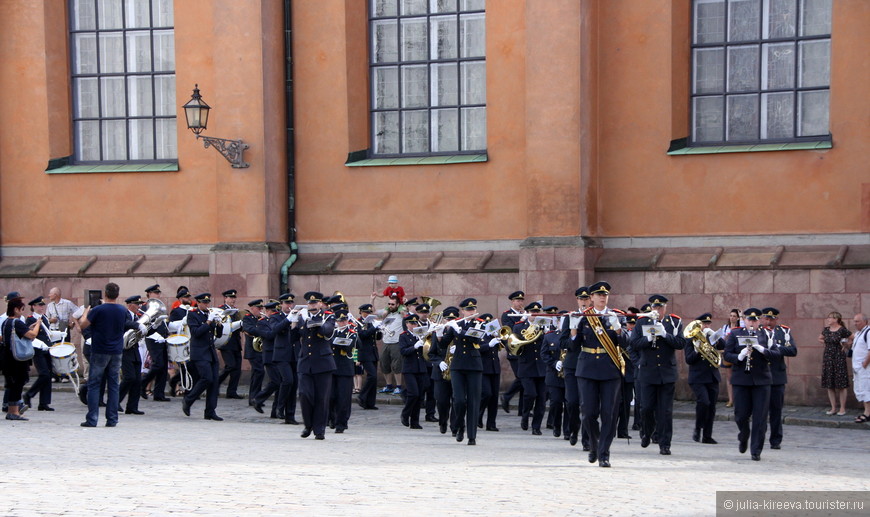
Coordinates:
291 152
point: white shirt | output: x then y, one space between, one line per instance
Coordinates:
860 347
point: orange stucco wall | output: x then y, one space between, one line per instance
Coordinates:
232 49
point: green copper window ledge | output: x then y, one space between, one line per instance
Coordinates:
754 148
354 161
114 168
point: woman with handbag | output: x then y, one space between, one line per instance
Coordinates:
15 371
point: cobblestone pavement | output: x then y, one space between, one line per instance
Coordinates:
165 463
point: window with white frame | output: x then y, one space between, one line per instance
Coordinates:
123 80
428 76
760 71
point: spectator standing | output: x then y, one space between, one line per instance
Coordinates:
59 312
861 365
393 288
835 379
15 372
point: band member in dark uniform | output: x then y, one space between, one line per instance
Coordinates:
271 309
518 301
466 369
532 372
367 356
343 344
422 311
41 357
131 365
155 342
440 376
414 373
202 325
704 379
779 337
231 351
178 324
316 364
254 357
746 349
658 372
282 355
600 368
572 390
553 356
491 378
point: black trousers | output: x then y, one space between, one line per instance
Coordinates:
572 407
557 406
207 381
489 398
443 400
290 407
751 402
416 385
534 400
466 399
271 387
285 385
131 379
232 370
706 396
516 387
42 384
368 393
600 399
339 403
159 370
777 400
429 395
658 411
626 394
257 375
314 391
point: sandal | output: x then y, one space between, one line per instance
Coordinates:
860 419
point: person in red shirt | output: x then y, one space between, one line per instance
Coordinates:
392 288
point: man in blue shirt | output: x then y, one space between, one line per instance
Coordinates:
108 322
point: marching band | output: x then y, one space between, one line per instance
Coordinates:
582 364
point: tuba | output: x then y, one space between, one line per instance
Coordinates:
155 313
695 332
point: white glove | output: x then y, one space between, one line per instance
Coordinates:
142 329
575 322
452 349
418 344
88 341
759 348
697 344
650 338
443 366
709 333
743 353
494 342
558 366
39 344
157 338
175 326
614 322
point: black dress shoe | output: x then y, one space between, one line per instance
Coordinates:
453 433
505 405
624 435
214 417
635 427
696 435
777 446
480 424
373 407
185 406
604 463
536 432
319 437
134 412
665 451
406 421
549 426
573 439
655 439
471 441
443 428
340 430
83 424
111 424
143 394
492 428
460 434
162 399
742 446
586 448
644 441
45 408
431 419
235 396
557 432
593 456
566 436
306 432
709 440
258 407
291 421
416 426
524 425
756 457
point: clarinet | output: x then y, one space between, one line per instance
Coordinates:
748 366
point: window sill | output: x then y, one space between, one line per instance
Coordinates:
792 146
118 167
417 160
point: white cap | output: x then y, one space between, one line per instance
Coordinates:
393 279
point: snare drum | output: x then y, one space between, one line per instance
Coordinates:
178 347
64 359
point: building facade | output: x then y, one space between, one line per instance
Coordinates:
709 150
